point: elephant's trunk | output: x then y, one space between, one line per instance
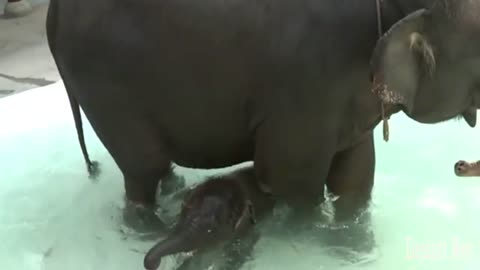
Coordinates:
172 245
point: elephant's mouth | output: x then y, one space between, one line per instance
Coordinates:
387 96
390 102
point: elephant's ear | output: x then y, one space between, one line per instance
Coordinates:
402 56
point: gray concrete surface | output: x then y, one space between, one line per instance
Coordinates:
33 2
25 60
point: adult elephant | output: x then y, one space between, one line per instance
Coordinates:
284 83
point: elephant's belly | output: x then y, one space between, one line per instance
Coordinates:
211 146
212 154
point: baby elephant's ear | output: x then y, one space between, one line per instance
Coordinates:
402 56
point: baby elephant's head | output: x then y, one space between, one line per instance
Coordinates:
212 213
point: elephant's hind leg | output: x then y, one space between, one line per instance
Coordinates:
143 162
135 145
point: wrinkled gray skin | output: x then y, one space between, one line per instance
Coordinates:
286 84
464 168
217 214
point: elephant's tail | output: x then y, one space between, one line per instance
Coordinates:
92 166
171 245
52 22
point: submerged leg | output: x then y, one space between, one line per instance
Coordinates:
134 144
141 192
351 177
141 184
294 165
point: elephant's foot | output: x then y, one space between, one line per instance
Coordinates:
463 168
143 219
300 219
351 243
351 240
351 234
303 207
350 208
142 204
17 8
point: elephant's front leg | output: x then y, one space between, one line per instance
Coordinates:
294 162
351 177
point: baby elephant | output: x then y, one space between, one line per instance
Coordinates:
218 214
463 168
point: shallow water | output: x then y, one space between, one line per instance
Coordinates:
53 217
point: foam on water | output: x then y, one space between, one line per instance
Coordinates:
53 217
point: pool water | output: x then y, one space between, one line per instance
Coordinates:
53 217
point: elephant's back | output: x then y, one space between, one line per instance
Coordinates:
203 72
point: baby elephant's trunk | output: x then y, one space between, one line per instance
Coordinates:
172 245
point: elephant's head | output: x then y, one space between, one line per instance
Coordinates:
212 213
428 64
